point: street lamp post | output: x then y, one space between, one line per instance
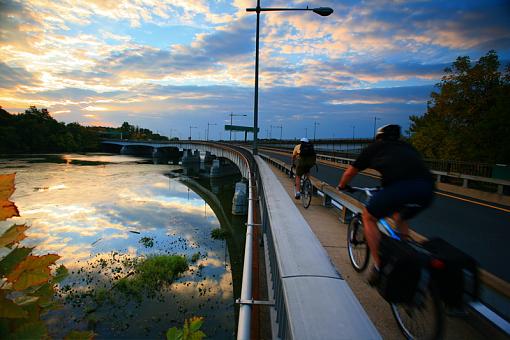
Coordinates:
232 115
375 123
209 124
322 11
314 128
191 127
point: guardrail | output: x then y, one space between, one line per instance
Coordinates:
311 299
492 286
501 186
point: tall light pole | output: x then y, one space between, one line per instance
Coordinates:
191 127
353 128
209 124
375 123
314 128
281 130
322 11
232 115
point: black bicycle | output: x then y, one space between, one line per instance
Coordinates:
306 186
422 316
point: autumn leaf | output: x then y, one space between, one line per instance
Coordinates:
8 263
34 270
14 234
10 310
6 186
7 210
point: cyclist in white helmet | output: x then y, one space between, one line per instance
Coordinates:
303 158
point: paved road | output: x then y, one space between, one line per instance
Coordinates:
478 230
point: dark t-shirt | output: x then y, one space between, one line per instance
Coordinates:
395 160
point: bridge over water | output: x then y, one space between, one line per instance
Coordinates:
308 297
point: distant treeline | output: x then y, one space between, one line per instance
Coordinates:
35 131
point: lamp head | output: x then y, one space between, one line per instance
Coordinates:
323 11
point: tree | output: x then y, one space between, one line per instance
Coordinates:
468 119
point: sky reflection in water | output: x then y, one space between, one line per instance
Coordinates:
100 212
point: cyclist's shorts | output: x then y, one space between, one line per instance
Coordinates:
303 166
408 197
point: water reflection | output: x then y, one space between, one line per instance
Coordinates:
96 210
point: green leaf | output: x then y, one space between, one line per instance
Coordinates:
75 335
33 271
8 309
14 234
195 324
60 274
32 330
198 335
174 334
9 262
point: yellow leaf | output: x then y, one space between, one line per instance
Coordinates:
34 270
7 210
6 186
14 234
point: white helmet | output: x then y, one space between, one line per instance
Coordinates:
304 140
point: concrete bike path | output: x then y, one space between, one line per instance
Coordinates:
325 223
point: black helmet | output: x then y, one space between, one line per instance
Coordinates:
388 132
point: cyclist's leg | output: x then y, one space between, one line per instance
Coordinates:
372 234
299 172
402 225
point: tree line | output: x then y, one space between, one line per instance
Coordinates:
468 118
36 131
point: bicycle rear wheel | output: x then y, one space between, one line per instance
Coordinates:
307 191
357 246
422 318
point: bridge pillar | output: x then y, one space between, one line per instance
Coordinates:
240 199
189 157
208 157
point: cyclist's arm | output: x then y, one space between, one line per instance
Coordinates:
347 176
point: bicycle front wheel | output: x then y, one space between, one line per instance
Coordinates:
306 197
422 318
357 246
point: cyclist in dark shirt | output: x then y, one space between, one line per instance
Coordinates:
407 185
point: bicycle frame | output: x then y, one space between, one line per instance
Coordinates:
382 224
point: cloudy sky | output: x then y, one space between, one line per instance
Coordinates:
169 65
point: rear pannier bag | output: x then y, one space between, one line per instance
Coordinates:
401 267
458 275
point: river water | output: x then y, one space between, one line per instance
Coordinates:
101 212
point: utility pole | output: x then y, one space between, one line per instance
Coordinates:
209 124
353 128
375 123
306 132
191 127
314 128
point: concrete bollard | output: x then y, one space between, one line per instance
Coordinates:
240 199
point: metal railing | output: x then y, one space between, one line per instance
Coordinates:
493 287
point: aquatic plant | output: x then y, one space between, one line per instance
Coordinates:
190 331
147 242
219 234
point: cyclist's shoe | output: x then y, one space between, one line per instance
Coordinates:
374 277
298 195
